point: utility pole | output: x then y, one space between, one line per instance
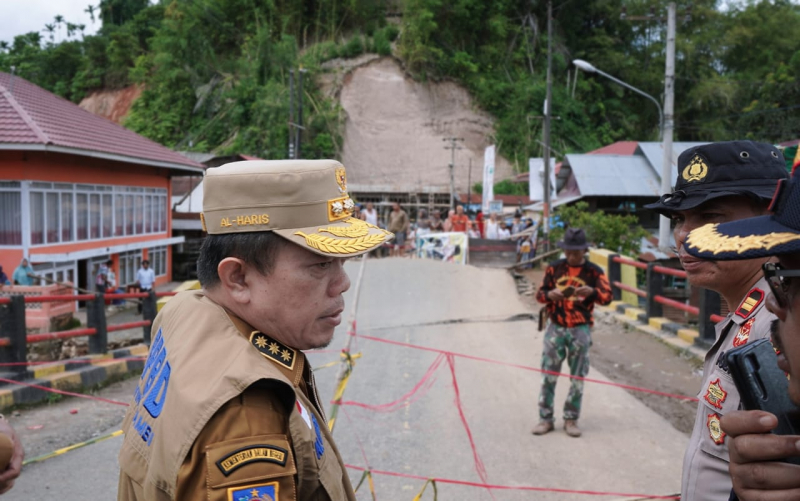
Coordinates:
291 114
299 129
453 147
469 183
669 104
546 131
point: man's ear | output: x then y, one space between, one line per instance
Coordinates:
232 275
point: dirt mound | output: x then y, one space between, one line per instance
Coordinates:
394 129
111 104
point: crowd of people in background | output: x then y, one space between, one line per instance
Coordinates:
406 230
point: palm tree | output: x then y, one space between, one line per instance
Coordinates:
71 28
3 45
90 10
50 28
59 19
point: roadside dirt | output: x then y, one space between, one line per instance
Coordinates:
635 358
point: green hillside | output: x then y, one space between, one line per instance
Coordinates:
215 72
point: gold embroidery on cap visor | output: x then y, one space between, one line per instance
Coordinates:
696 170
708 239
347 238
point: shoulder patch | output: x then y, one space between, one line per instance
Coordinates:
753 299
254 492
273 350
252 454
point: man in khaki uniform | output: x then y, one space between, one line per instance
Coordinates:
226 408
717 183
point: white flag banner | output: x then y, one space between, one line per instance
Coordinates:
536 179
488 178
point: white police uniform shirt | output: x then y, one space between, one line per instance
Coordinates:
145 278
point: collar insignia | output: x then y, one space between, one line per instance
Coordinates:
753 299
715 395
273 350
744 333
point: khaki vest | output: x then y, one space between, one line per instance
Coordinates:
199 361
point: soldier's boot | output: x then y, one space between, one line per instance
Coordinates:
543 427
571 427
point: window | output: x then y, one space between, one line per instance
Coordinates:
108 217
158 260
139 214
52 207
11 222
129 263
37 218
63 212
119 215
94 221
66 217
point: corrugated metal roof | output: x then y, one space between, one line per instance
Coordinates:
33 118
614 175
655 155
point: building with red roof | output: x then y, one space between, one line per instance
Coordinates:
78 190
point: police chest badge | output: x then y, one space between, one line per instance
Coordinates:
744 333
715 395
714 430
255 492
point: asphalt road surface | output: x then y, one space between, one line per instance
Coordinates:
626 448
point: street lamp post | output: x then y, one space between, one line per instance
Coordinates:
666 166
588 68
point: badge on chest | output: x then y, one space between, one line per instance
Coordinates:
256 492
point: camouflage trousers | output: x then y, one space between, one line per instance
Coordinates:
573 344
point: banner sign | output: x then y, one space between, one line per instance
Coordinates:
488 178
536 179
447 247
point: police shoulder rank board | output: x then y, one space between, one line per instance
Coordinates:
751 302
273 350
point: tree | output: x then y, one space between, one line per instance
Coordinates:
58 20
90 10
618 233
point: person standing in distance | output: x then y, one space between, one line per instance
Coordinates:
227 406
717 183
570 289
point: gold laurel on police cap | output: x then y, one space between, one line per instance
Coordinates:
303 201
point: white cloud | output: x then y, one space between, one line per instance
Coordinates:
18 17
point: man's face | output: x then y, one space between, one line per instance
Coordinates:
460 210
300 301
396 206
369 206
145 265
575 257
24 262
719 276
786 330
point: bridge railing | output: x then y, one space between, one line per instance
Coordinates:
622 276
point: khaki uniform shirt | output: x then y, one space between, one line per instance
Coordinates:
705 465
223 412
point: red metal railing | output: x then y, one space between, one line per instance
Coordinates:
50 336
630 262
638 292
129 325
669 271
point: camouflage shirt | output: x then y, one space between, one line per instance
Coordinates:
573 310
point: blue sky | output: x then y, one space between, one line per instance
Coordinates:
18 17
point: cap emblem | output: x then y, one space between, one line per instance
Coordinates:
341 179
708 239
340 208
696 170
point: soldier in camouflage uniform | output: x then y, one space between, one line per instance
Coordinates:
570 290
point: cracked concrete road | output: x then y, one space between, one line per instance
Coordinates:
626 448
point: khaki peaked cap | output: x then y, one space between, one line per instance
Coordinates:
303 201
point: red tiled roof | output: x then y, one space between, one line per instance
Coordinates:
30 115
618 148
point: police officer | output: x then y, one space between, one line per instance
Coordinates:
754 450
717 183
226 408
